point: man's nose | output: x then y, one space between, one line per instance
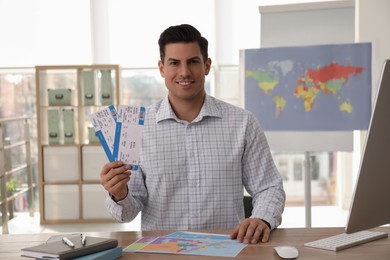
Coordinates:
185 70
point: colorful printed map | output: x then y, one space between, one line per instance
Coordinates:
325 87
188 243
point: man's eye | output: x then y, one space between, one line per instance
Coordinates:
173 63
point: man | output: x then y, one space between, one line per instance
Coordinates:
197 155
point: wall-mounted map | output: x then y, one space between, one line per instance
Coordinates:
309 88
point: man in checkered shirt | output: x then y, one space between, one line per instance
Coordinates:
197 155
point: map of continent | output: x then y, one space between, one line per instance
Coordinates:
188 243
324 87
329 79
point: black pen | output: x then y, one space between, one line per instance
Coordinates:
67 242
83 239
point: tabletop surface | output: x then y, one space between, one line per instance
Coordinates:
11 245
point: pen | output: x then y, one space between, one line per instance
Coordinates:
67 242
83 239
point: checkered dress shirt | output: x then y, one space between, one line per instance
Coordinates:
192 175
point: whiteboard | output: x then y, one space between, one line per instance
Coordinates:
329 22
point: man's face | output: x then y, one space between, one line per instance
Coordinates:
184 71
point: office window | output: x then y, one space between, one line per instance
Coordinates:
135 27
142 87
17 99
17 92
44 32
323 177
298 170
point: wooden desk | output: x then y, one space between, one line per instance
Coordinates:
10 245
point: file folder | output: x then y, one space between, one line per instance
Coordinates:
92 136
106 87
60 97
89 87
68 116
53 121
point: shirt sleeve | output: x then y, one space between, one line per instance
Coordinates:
127 209
261 177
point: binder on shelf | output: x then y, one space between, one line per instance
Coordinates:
68 116
106 87
53 121
89 87
92 136
60 97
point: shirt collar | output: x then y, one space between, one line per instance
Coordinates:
210 108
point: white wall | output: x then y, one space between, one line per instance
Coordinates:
372 21
372 25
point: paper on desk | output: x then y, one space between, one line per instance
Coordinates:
188 243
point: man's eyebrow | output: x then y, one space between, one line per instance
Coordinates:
193 58
172 59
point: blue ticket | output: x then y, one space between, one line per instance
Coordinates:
128 134
104 123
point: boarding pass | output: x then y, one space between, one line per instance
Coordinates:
104 123
121 135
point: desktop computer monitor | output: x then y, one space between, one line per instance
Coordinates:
370 204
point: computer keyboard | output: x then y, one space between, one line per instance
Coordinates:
343 241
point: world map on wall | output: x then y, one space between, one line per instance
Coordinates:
324 88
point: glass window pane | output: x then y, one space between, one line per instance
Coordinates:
44 32
323 186
141 87
135 27
17 92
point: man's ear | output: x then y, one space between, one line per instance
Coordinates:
161 68
207 66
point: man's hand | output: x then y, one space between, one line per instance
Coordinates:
114 177
250 231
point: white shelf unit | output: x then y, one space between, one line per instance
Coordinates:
69 154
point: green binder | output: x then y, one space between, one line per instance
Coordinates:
68 116
60 97
106 87
92 137
53 122
89 87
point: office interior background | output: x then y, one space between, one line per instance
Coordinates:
123 32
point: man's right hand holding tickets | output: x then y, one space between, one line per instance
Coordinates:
114 178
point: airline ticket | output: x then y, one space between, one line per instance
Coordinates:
128 134
104 123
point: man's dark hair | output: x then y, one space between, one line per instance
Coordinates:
182 33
